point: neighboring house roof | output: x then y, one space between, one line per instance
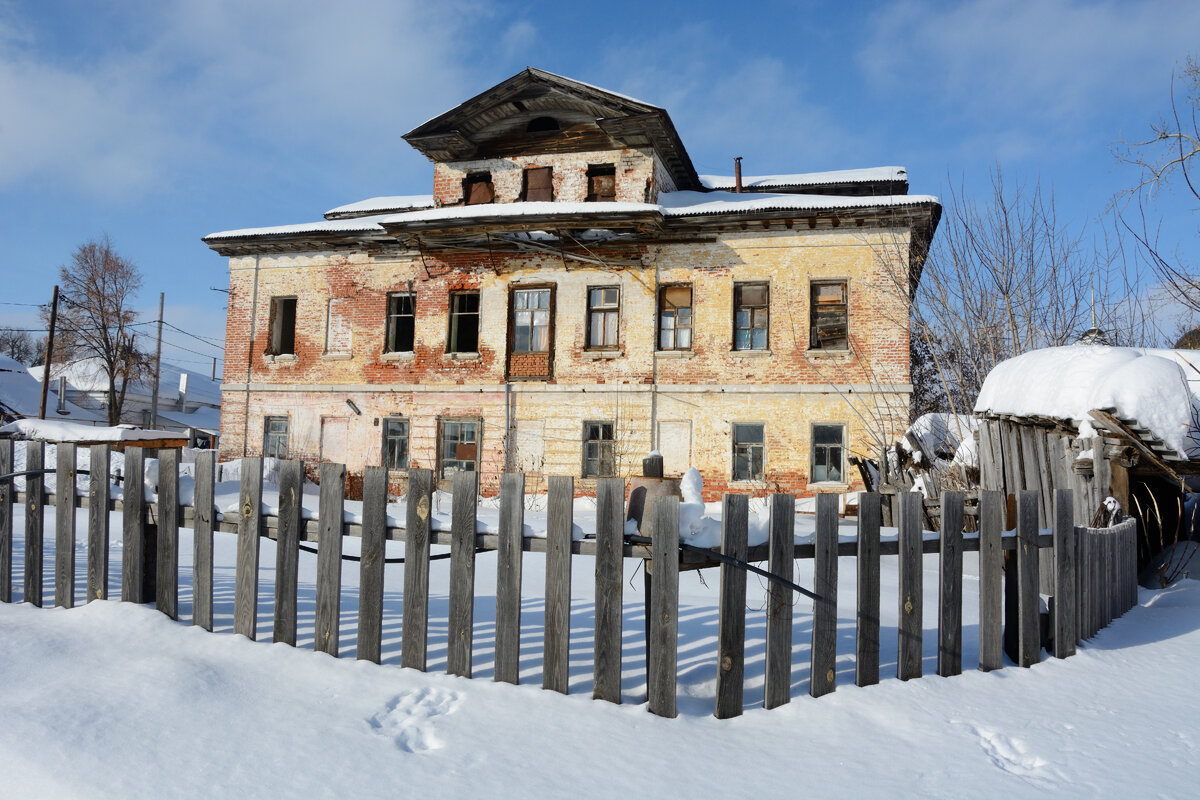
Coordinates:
87 375
21 395
889 177
58 430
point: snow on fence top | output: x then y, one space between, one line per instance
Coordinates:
868 175
50 430
1158 388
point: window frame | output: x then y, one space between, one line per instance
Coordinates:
441 444
268 434
676 327
614 309
516 289
525 175
760 445
812 454
738 288
276 323
600 443
391 324
384 459
600 171
812 313
454 317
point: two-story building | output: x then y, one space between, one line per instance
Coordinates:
572 296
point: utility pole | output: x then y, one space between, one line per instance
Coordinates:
49 353
157 366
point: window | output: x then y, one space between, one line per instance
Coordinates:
828 316
283 327
602 183
459 447
464 323
401 323
827 453
542 125
604 312
395 443
749 452
675 318
275 437
750 316
531 320
477 189
598 447
539 184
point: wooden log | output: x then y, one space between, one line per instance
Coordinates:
167 569
203 522
35 458
991 586
288 533
556 645
417 530
664 624
866 652
371 562
250 523
780 539
1028 603
911 588
462 573
7 496
610 521
331 513
508 577
950 586
64 525
731 616
1065 632
823 658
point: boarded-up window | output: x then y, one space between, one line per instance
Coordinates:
602 183
401 323
529 441
675 318
335 431
283 327
539 184
477 189
829 317
337 326
459 448
604 313
675 444
751 316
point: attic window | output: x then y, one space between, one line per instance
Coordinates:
477 189
541 124
539 184
602 183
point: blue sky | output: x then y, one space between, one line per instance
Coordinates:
158 122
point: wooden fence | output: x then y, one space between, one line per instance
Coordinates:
1094 577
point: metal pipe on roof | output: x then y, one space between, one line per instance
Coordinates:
737 174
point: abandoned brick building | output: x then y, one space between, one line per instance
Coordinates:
572 296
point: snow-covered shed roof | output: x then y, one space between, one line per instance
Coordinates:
838 177
21 394
87 375
57 430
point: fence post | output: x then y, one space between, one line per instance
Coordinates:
370 566
167 572
991 586
204 519
610 551
664 624
950 585
823 653
97 563
508 578
731 618
8 491
133 527
1065 632
35 458
330 529
245 598
462 573
1029 627
866 653
911 586
417 527
781 559
65 504
556 644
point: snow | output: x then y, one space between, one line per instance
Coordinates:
868 175
115 700
1158 388
52 430
368 224
22 394
380 205
939 432
88 375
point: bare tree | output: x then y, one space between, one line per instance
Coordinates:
95 318
18 345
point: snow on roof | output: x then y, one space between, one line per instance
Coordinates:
681 204
21 393
1158 388
357 225
87 375
381 205
868 175
518 210
53 430
939 432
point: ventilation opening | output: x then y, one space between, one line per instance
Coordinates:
541 124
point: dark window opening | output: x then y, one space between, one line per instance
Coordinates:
464 323
282 327
459 449
531 320
599 457
477 189
395 443
275 437
541 124
539 184
829 317
602 183
750 316
675 318
827 453
749 452
401 323
604 313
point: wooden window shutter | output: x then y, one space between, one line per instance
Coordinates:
539 184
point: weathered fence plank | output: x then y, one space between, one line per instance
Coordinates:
950 586
329 557
370 566
1065 633
462 574
133 527
8 494
664 623
64 525
731 616
1028 603
823 656
203 522
991 586
866 651
781 558
417 528
250 524
167 568
556 643
35 458
98 529
911 587
287 550
508 577
610 519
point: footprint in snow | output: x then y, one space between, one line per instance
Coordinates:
408 718
1012 755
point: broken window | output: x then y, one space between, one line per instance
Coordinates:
395 443
282 327
827 445
750 316
539 184
531 320
464 323
275 437
602 183
401 323
599 459
675 318
477 189
459 447
828 316
604 313
749 452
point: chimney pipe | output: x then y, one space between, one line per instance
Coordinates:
737 174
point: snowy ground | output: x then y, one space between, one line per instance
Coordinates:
115 700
